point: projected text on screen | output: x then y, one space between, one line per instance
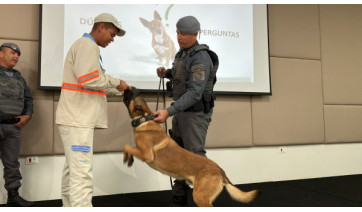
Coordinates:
237 33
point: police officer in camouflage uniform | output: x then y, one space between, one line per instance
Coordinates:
192 79
16 109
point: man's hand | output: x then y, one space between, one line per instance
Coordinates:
23 120
123 86
161 72
162 116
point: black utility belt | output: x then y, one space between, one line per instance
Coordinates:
201 106
10 121
197 107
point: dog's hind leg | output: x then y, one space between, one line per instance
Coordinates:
207 189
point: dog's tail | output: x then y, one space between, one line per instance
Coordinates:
239 195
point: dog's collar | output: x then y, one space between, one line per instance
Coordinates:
139 121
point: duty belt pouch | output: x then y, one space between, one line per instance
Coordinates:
208 105
169 88
199 106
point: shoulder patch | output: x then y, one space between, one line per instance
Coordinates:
198 72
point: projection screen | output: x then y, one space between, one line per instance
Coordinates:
238 33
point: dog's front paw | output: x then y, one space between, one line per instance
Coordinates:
128 158
125 157
130 161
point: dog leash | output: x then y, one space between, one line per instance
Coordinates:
163 96
164 107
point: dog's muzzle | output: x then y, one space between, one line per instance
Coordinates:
128 95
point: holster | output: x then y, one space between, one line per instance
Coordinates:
169 88
176 138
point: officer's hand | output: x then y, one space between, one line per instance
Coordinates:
123 86
161 72
23 120
162 116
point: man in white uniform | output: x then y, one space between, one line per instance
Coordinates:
83 107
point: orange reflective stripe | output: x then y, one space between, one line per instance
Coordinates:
86 80
88 77
79 88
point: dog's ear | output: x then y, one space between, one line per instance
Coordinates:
156 16
144 22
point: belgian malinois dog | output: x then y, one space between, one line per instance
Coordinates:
160 152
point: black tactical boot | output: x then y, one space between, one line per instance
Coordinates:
14 200
178 201
180 191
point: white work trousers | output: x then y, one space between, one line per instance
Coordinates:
77 179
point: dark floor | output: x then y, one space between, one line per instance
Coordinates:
343 191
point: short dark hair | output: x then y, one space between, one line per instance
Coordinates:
107 25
